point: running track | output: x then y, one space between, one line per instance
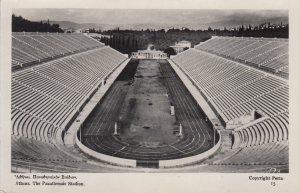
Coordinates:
198 134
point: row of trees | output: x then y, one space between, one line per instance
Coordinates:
19 24
163 39
124 44
262 30
127 41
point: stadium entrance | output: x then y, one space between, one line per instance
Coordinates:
150 53
147 164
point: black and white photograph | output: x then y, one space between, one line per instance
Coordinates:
165 92
150 91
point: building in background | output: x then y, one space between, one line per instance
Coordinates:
149 54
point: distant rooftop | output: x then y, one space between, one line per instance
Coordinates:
149 51
184 41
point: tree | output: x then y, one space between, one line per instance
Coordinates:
170 51
19 24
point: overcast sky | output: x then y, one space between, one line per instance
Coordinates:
110 16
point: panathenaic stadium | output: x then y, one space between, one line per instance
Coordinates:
80 106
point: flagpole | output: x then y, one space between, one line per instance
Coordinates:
214 135
80 133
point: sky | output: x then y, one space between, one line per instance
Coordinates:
146 16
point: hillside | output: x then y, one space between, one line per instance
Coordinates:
20 24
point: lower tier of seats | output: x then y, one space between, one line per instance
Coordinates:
270 153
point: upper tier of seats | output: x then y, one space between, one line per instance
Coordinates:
270 54
31 48
234 89
46 97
